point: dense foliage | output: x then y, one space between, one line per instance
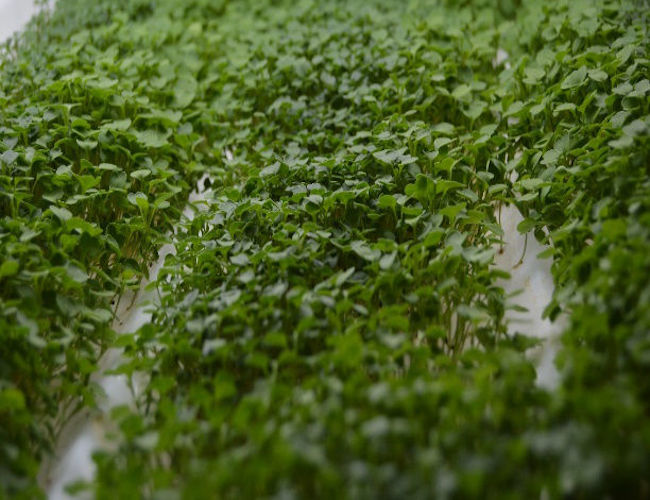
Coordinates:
331 323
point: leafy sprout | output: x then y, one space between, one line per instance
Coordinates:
331 323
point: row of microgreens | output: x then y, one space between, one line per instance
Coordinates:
315 326
95 165
331 325
580 95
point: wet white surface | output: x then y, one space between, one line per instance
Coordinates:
530 286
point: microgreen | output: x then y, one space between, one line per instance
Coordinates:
331 323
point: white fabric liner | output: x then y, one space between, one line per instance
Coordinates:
530 281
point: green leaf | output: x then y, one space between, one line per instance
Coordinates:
9 268
61 213
240 259
9 157
139 199
117 125
534 75
83 226
185 91
443 129
270 170
364 251
444 185
88 182
575 79
598 75
387 201
76 273
530 184
152 138
526 225
142 173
